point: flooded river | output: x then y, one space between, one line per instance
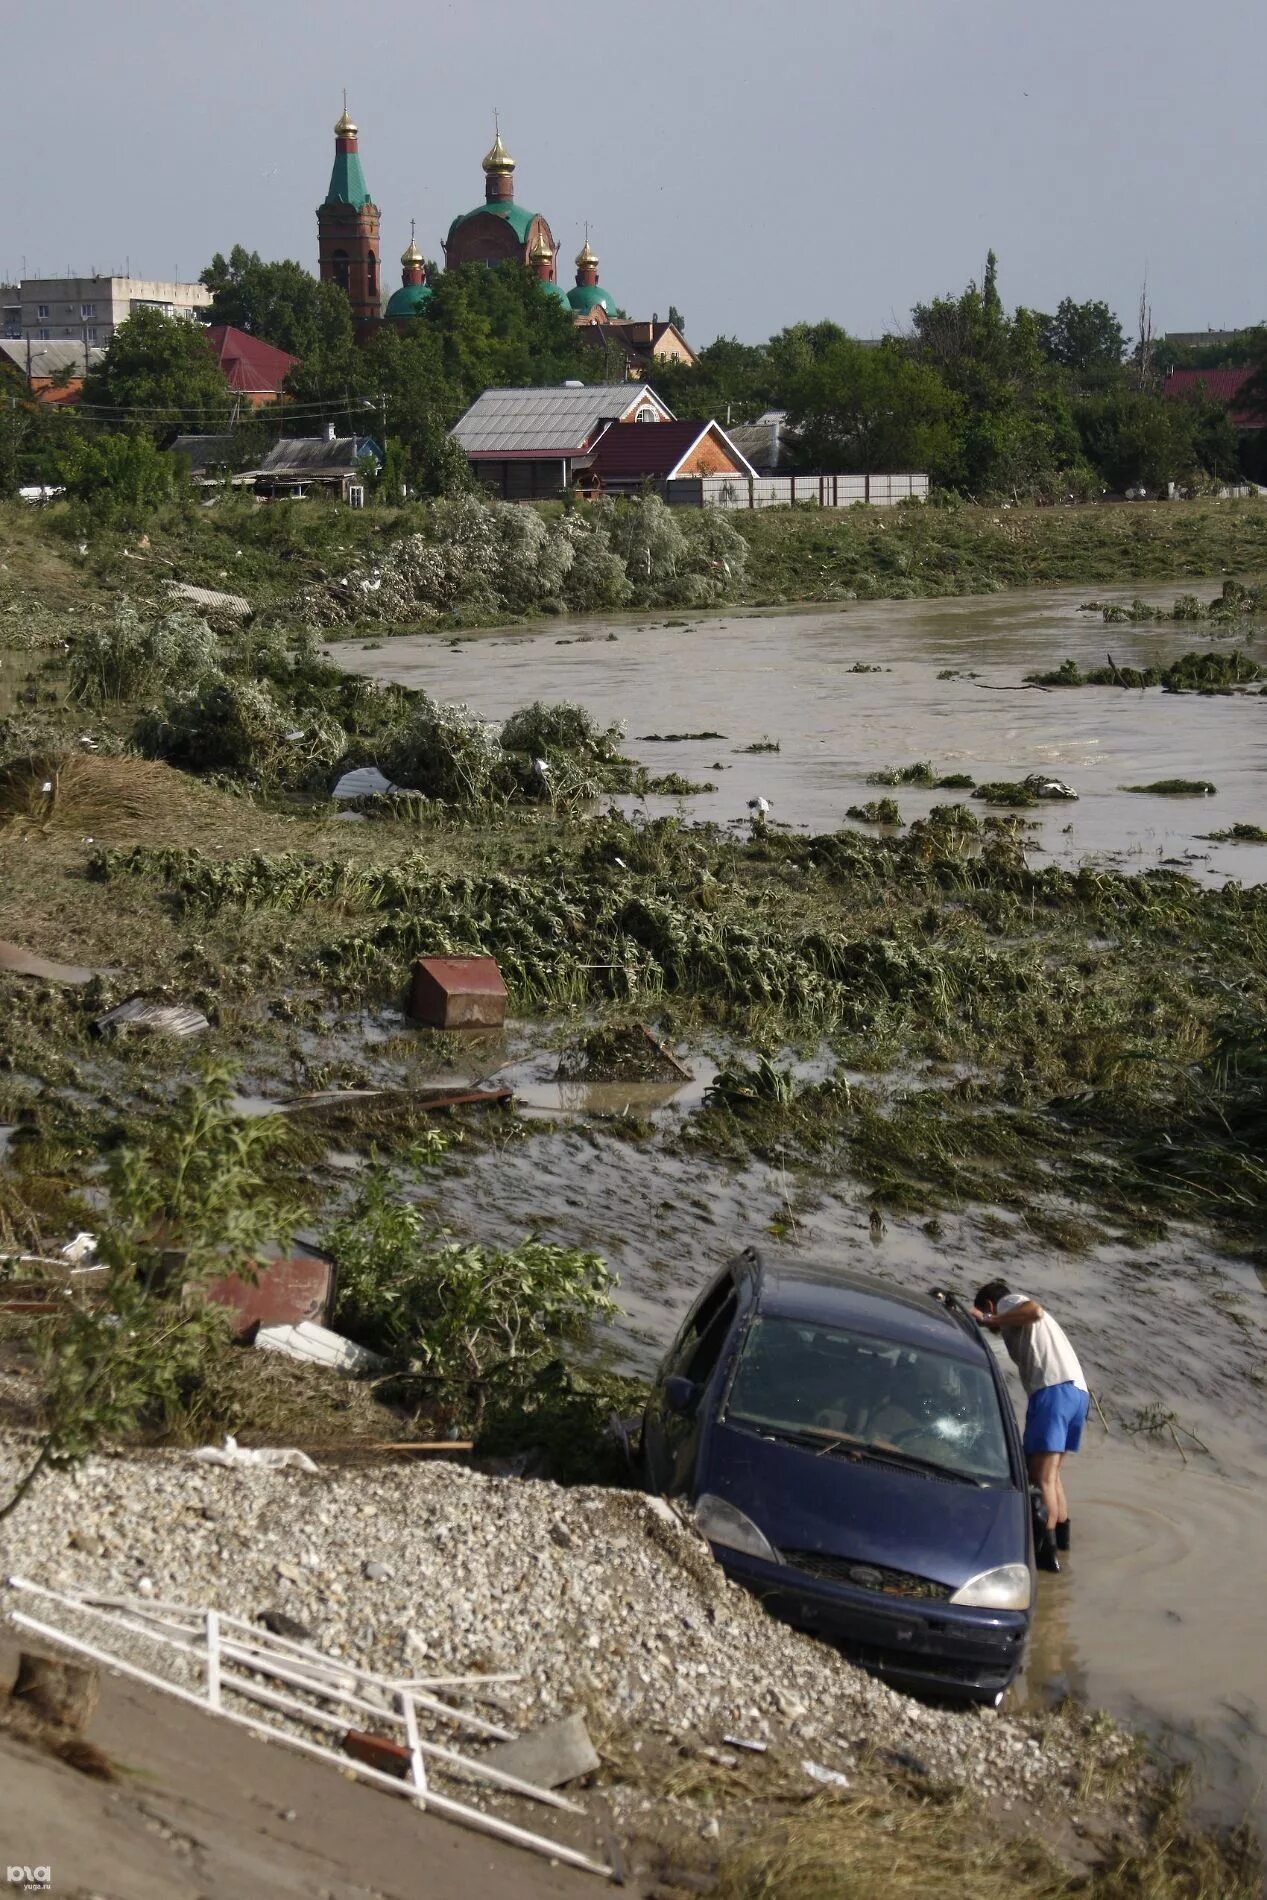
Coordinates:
787 677
1156 1616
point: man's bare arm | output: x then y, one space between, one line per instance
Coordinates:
1027 1314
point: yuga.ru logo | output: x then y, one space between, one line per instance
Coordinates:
31 1879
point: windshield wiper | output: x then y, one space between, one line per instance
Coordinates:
823 1441
881 1455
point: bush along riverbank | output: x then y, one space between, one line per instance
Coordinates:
471 562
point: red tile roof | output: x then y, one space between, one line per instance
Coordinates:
1225 386
632 450
252 366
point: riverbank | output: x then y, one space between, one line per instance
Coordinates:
931 1044
285 557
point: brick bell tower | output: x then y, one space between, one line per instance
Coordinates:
347 228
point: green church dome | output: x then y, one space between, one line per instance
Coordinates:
586 297
518 217
408 300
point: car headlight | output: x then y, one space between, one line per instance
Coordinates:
721 1523
1009 1587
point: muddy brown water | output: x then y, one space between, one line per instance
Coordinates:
1156 1616
787 677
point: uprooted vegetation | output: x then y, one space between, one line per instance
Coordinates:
1193 673
1228 610
1114 1019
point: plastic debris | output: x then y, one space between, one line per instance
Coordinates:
365 782
830 1777
253 1457
319 1345
80 1251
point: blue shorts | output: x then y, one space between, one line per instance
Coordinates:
1055 1417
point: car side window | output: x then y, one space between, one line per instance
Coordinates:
708 1347
699 1320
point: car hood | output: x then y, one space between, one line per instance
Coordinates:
872 1513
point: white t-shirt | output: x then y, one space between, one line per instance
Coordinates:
1041 1353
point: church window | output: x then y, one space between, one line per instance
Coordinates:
371 275
341 268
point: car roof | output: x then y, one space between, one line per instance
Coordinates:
834 1296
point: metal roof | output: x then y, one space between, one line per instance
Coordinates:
543 422
630 451
318 455
1231 387
252 366
52 358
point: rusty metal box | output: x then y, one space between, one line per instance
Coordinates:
458 993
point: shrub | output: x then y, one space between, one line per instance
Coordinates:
596 578
447 753
542 728
241 726
129 658
465 1320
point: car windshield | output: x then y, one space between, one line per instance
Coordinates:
853 1393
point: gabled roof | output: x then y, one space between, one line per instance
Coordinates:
1225 386
533 423
252 366
318 455
630 451
208 451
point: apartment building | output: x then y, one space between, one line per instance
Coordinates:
90 309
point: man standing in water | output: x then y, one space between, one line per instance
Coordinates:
1058 1399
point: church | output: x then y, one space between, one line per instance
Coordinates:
498 230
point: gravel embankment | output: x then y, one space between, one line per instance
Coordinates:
602 1603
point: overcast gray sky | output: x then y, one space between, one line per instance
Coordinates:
753 162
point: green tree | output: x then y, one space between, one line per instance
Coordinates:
855 407
158 374
281 302
1084 337
728 379
116 481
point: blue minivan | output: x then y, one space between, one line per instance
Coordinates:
850 1452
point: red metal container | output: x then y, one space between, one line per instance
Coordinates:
458 993
284 1293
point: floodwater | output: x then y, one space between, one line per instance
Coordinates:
787 677
1156 1615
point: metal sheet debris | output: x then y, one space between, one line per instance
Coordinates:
167 1019
283 1293
365 782
235 605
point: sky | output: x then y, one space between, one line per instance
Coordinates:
756 164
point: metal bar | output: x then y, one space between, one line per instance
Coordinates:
267 1639
441 1804
417 1761
213 1659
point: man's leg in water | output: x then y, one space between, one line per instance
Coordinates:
1044 1471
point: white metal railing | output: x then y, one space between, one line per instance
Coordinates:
234 1654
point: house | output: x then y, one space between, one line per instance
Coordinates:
90 309
330 463
626 458
253 369
640 343
527 444
767 443
53 372
1227 387
210 459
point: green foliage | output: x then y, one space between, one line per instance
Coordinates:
762 1084
157 375
192 1201
876 811
281 302
129 658
115 481
244 727
466 1320
1085 337
869 410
